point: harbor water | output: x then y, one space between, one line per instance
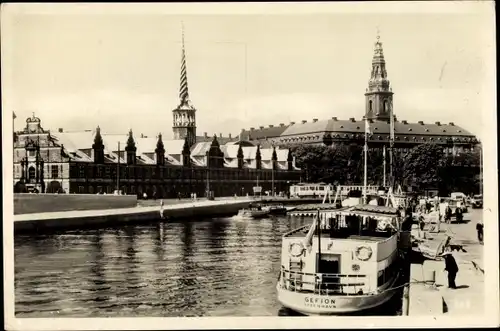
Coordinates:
216 267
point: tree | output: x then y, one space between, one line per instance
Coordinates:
422 166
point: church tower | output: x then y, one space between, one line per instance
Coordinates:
184 116
379 93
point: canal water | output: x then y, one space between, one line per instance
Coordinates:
216 267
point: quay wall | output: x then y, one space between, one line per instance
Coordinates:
100 218
25 203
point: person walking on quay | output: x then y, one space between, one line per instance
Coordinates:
459 215
479 229
161 209
447 214
451 267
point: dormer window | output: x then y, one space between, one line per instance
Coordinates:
426 130
410 129
444 130
357 128
341 126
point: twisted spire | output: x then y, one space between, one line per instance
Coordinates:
183 93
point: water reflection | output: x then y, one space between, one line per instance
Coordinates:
219 267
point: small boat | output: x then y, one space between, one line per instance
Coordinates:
253 212
276 209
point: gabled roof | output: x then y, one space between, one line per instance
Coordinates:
200 148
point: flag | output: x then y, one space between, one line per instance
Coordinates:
367 126
308 238
14 115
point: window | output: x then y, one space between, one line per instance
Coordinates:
107 171
31 153
370 105
31 173
81 189
54 171
82 172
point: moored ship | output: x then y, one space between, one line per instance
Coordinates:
346 261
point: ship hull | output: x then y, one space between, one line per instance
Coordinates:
316 305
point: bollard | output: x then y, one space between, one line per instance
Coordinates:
406 300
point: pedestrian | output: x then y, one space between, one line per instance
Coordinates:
447 214
479 229
194 196
161 209
421 222
459 215
451 267
179 195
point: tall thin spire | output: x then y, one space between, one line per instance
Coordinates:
379 92
183 93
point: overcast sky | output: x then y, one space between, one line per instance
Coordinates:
120 70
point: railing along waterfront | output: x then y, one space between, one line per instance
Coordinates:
293 281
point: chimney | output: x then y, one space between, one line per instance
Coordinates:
334 118
404 121
315 120
304 121
271 126
142 135
438 123
229 136
205 135
261 127
352 119
421 122
220 135
60 130
282 124
292 123
251 129
452 124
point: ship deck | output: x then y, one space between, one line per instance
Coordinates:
368 236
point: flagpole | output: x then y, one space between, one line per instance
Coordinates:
383 154
118 171
367 130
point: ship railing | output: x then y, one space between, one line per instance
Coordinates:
325 283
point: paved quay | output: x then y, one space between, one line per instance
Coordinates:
435 298
180 209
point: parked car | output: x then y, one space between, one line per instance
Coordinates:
477 201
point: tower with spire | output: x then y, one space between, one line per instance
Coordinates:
184 115
379 92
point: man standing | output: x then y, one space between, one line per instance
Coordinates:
479 229
452 268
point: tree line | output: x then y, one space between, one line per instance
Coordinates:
424 167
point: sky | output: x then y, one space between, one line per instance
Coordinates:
82 67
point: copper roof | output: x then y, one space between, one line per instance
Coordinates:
347 129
